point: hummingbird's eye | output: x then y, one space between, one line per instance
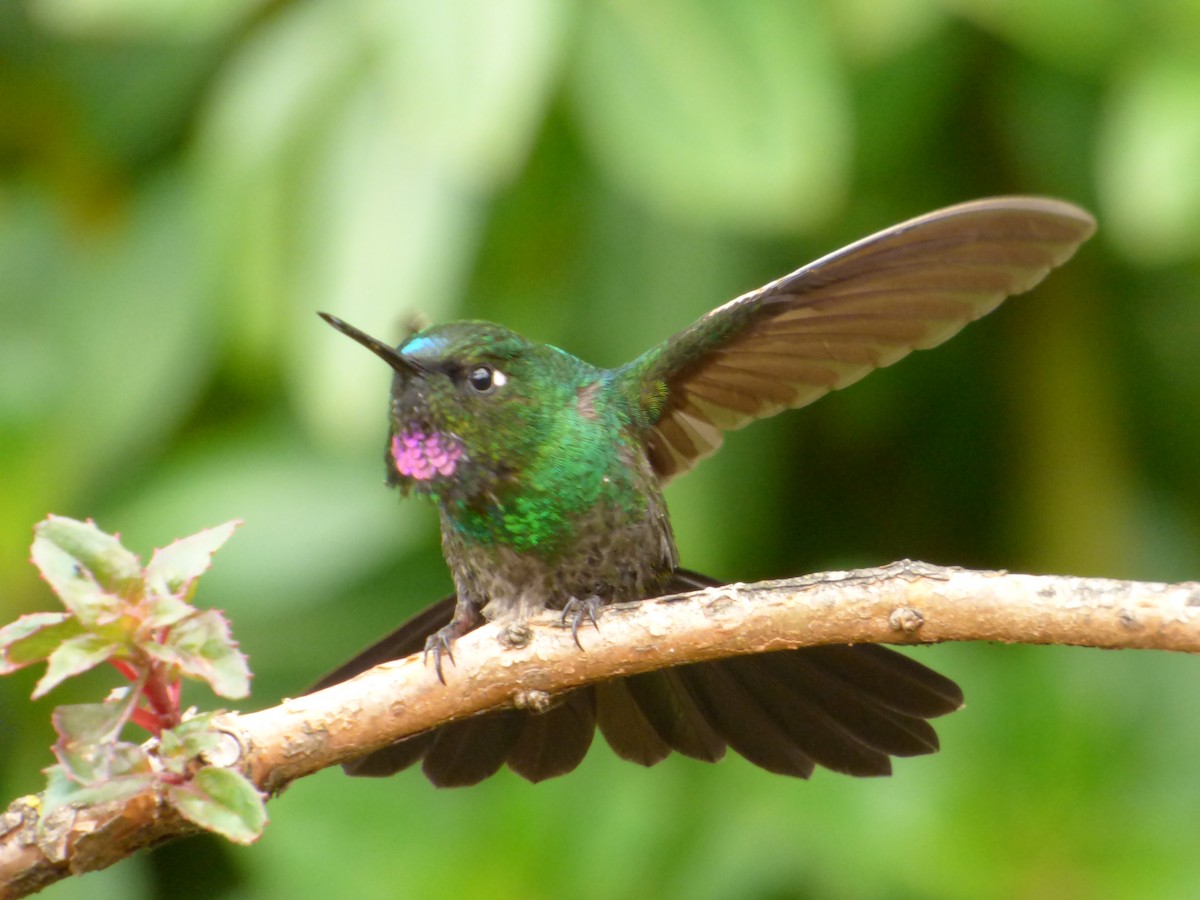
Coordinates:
485 379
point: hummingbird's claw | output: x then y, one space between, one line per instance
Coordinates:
577 610
438 644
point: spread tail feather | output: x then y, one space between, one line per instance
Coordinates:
849 709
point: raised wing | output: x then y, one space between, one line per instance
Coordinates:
828 324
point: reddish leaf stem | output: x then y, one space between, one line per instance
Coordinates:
162 695
125 669
148 720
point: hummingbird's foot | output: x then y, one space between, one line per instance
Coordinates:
466 617
438 644
577 610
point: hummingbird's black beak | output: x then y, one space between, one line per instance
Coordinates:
388 354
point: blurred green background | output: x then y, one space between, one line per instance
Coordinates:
183 184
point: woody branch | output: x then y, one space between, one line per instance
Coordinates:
902 603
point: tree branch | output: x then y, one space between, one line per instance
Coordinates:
903 603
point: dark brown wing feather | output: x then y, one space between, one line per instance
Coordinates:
846 708
828 324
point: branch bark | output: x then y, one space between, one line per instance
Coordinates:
902 603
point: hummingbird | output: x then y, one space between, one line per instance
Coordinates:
547 473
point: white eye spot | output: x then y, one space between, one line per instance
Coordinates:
485 379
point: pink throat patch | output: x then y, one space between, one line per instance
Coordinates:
421 456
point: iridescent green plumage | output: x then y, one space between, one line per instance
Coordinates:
555 445
548 474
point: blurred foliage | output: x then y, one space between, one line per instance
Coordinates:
182 184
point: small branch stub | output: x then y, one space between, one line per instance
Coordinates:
906 619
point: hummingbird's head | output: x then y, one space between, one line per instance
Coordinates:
471 405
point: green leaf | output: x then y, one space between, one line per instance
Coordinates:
73 656
177 566
94 764
61 790
92 722
88 749
179 746
95 577
34 637
189 739
201 646
99 555
161 609
223 801
76 586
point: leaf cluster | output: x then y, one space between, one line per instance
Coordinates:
142 622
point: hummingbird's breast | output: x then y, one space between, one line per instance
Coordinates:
618 547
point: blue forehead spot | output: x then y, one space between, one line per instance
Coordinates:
421 344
